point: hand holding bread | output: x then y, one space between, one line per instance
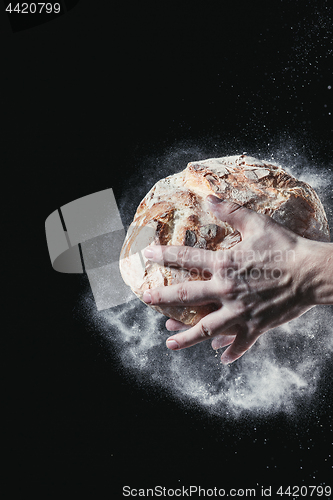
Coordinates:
253 287
233 270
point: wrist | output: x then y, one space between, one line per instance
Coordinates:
316 268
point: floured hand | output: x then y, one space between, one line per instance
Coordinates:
271 277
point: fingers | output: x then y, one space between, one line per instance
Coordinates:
240 345
173 325
241 218
181 256
222 326
189 293
222 341
208 327
227 337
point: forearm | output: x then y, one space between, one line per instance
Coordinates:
318 272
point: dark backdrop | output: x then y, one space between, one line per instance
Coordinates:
86 97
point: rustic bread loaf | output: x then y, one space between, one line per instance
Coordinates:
175 212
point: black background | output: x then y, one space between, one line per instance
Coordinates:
85 97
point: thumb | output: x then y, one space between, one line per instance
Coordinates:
240 218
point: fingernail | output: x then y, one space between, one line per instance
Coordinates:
149 253
172 344
146 297
214 200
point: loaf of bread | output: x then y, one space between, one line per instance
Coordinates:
175 212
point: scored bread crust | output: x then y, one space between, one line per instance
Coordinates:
175 212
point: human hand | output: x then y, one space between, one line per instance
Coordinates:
262 282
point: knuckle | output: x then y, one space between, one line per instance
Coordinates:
205 331
243 313
234 207
182 293
226 287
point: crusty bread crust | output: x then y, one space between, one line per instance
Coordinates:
174 212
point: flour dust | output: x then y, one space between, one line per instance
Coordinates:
280 373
